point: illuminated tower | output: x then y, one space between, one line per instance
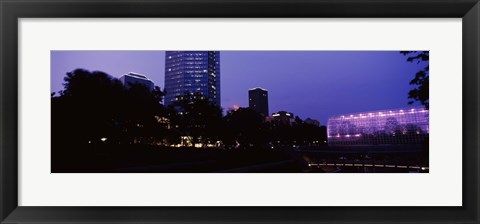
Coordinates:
193 72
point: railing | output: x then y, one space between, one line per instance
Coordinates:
367 165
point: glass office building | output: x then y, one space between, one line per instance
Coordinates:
194 72
399 126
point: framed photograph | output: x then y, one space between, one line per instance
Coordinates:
247 112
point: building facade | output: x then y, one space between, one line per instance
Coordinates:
258 100
283 118
132 78
385 127
312 122
192 72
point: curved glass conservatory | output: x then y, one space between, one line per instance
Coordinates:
396 126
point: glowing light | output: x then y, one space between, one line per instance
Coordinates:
236 107
103 139
258 88
375 124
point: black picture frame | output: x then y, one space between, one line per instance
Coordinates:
12 10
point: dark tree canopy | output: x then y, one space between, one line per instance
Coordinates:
197 117
420 92
94 106
246 128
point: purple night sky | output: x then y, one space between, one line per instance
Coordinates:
315 84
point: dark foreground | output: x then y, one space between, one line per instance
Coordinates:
104 158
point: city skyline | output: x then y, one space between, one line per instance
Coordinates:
335 81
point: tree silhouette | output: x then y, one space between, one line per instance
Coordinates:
198 118
88 107
420 92
245 127
307 134
141 112
94 105
392 126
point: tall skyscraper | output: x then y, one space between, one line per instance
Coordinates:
194 72
258 100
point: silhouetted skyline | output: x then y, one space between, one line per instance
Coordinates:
315 84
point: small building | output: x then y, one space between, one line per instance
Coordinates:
283 117
312 122
132 78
